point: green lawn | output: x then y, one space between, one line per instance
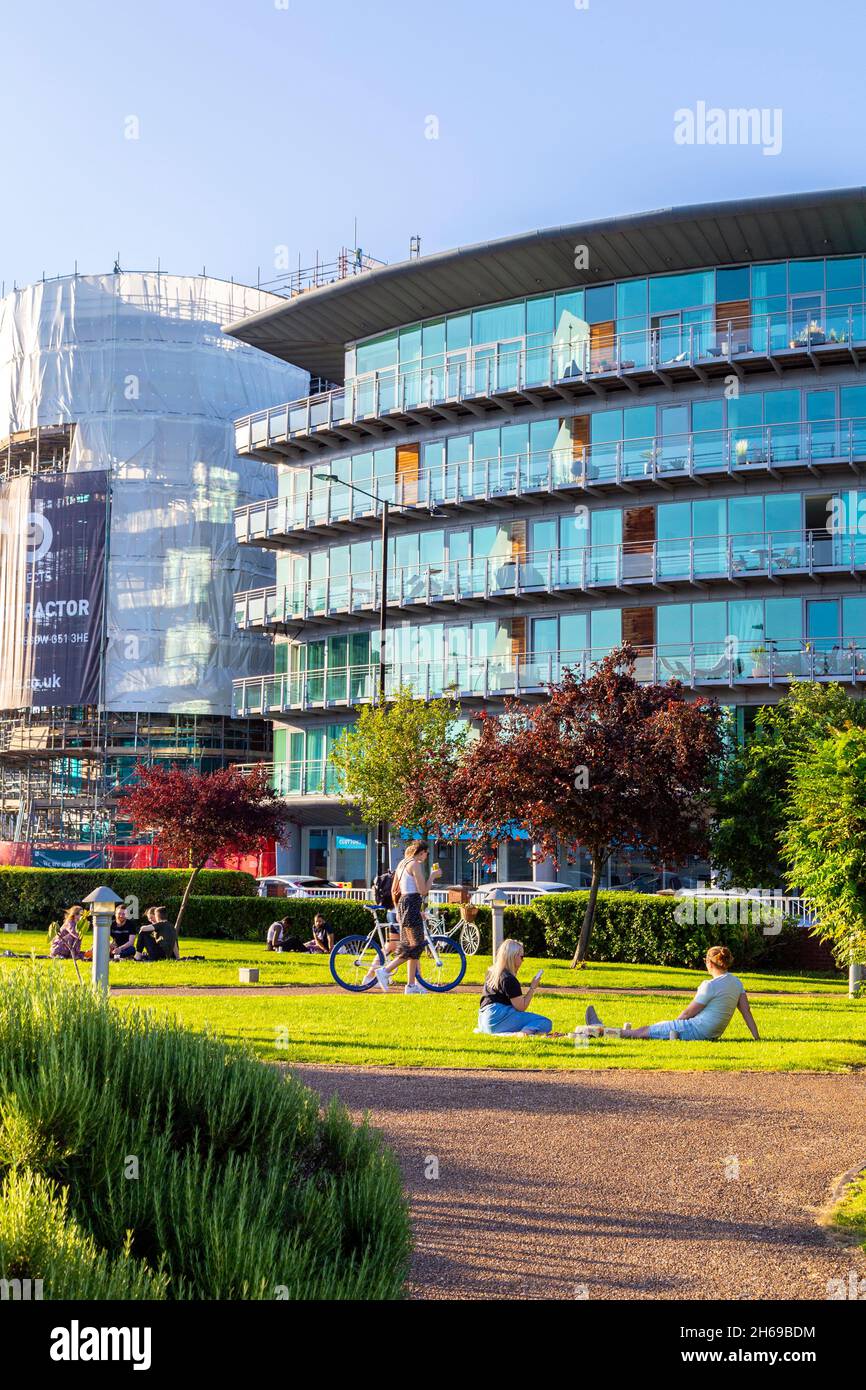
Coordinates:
827 1034
850 1214
824 1033
224 958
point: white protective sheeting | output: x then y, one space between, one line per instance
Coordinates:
139 363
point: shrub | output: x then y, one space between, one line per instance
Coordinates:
35 897
642 929
243 1187
248 919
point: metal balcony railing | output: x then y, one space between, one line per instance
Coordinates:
761 554
726 664
732 452
545 361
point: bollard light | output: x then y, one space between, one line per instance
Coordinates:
498 913
102 902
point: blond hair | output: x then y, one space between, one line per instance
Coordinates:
720 957
415 849
504 960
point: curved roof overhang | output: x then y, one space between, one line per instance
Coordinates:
312 329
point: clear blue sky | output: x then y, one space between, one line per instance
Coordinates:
263 126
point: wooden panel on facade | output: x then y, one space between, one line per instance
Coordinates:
638 626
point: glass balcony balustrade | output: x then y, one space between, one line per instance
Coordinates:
305 777
726 664
757 554
755 448
544 361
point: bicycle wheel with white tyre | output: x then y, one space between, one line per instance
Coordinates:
442 965
354 959
470 938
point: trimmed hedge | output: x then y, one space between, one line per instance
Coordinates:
35 897
642 929
248 919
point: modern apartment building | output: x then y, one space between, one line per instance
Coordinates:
648 429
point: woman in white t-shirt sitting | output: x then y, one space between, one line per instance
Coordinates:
710 1012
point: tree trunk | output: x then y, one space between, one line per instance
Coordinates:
186 892
579 958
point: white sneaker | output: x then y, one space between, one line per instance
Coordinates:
383 978
414 989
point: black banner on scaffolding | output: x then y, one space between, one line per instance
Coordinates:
53 538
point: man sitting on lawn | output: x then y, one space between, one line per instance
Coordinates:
708 1015
324 936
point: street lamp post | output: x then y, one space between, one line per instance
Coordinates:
102 902
382 855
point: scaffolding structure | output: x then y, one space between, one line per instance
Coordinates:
130 373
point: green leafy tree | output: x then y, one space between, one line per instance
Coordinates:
382 759
752 802
824 838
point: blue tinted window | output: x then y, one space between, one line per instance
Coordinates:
805 276
539 315
844 272
781 407
410 344
854 617
673 521
639 423
745 515
573 632
568 306
378 353
783 619
674 624
606 628
768 280
733 282
458 332
605 425
600 304
710 622
631 299
820 405
853 401
783 512
669 292
433 338
745 410
707 415
501 321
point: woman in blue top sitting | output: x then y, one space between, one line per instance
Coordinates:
710 1012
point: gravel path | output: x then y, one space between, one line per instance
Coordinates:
615 1185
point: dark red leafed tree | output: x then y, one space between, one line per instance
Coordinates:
196 815
600 764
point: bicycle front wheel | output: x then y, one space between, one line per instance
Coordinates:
353 960
470 938
442 966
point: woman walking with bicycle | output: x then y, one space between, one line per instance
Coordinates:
409 889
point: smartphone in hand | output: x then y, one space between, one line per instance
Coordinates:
537 976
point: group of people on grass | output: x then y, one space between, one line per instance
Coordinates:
154 939
504 1008
281 936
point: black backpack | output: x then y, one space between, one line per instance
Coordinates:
383 885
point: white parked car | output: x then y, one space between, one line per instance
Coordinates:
291 885
516 893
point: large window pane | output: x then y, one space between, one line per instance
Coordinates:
376 354
670 292
500 321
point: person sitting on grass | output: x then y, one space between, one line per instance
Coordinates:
710 1012
504 1008
166 935
279 933
324 936
66 942
122 944
149 942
